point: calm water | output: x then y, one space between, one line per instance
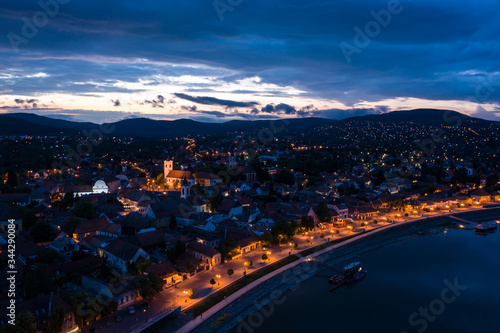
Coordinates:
403 277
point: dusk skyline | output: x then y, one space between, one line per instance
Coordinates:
217 60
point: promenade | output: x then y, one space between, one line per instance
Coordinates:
174 297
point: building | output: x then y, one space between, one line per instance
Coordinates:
480 196
175 177
119 253
209 256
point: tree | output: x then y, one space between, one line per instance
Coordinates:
228 247
149 285
285 177
70 226
85 209
46 256
265 257
307 222
41 232
282 230
249 263
56 319
214 201
26 322
323 213
137 267
175 252
230 272
266 239
190 293
29 217
172 224
212 282
12 177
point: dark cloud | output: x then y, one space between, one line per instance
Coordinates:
189 108
432 50
116 102
214 101
280 108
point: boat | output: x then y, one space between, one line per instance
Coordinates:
352 268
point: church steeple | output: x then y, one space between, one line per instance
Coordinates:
185 188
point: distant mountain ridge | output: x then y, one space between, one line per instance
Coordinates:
32 124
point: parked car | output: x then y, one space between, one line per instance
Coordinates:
131 310
118 319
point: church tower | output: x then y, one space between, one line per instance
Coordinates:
167 167
185 188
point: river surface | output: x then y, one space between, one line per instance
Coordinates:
407 289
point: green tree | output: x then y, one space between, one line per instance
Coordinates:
228 247
230 272
249 263
212 282
214 201
46 256
26 322
323 213
265 257
41 232
85 209
266 239
307 222
285 177
149 285
56 319
12 177
190 293
29 217
172 224
70 226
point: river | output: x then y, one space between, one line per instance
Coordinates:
444 282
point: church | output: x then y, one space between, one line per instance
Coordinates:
175 177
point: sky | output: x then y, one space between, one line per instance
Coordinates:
218 60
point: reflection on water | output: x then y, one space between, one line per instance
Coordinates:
409 288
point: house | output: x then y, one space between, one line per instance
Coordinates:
131 201
166 271
90 227
19 199
207 179
248 244
78 190
64 245
161 212
230 207
480 196
118 253
125 292
42 308
148 239
209 256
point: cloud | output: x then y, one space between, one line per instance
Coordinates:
116 102
280 108
214 101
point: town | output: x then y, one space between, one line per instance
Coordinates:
137 229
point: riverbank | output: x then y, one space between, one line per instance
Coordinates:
267 293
